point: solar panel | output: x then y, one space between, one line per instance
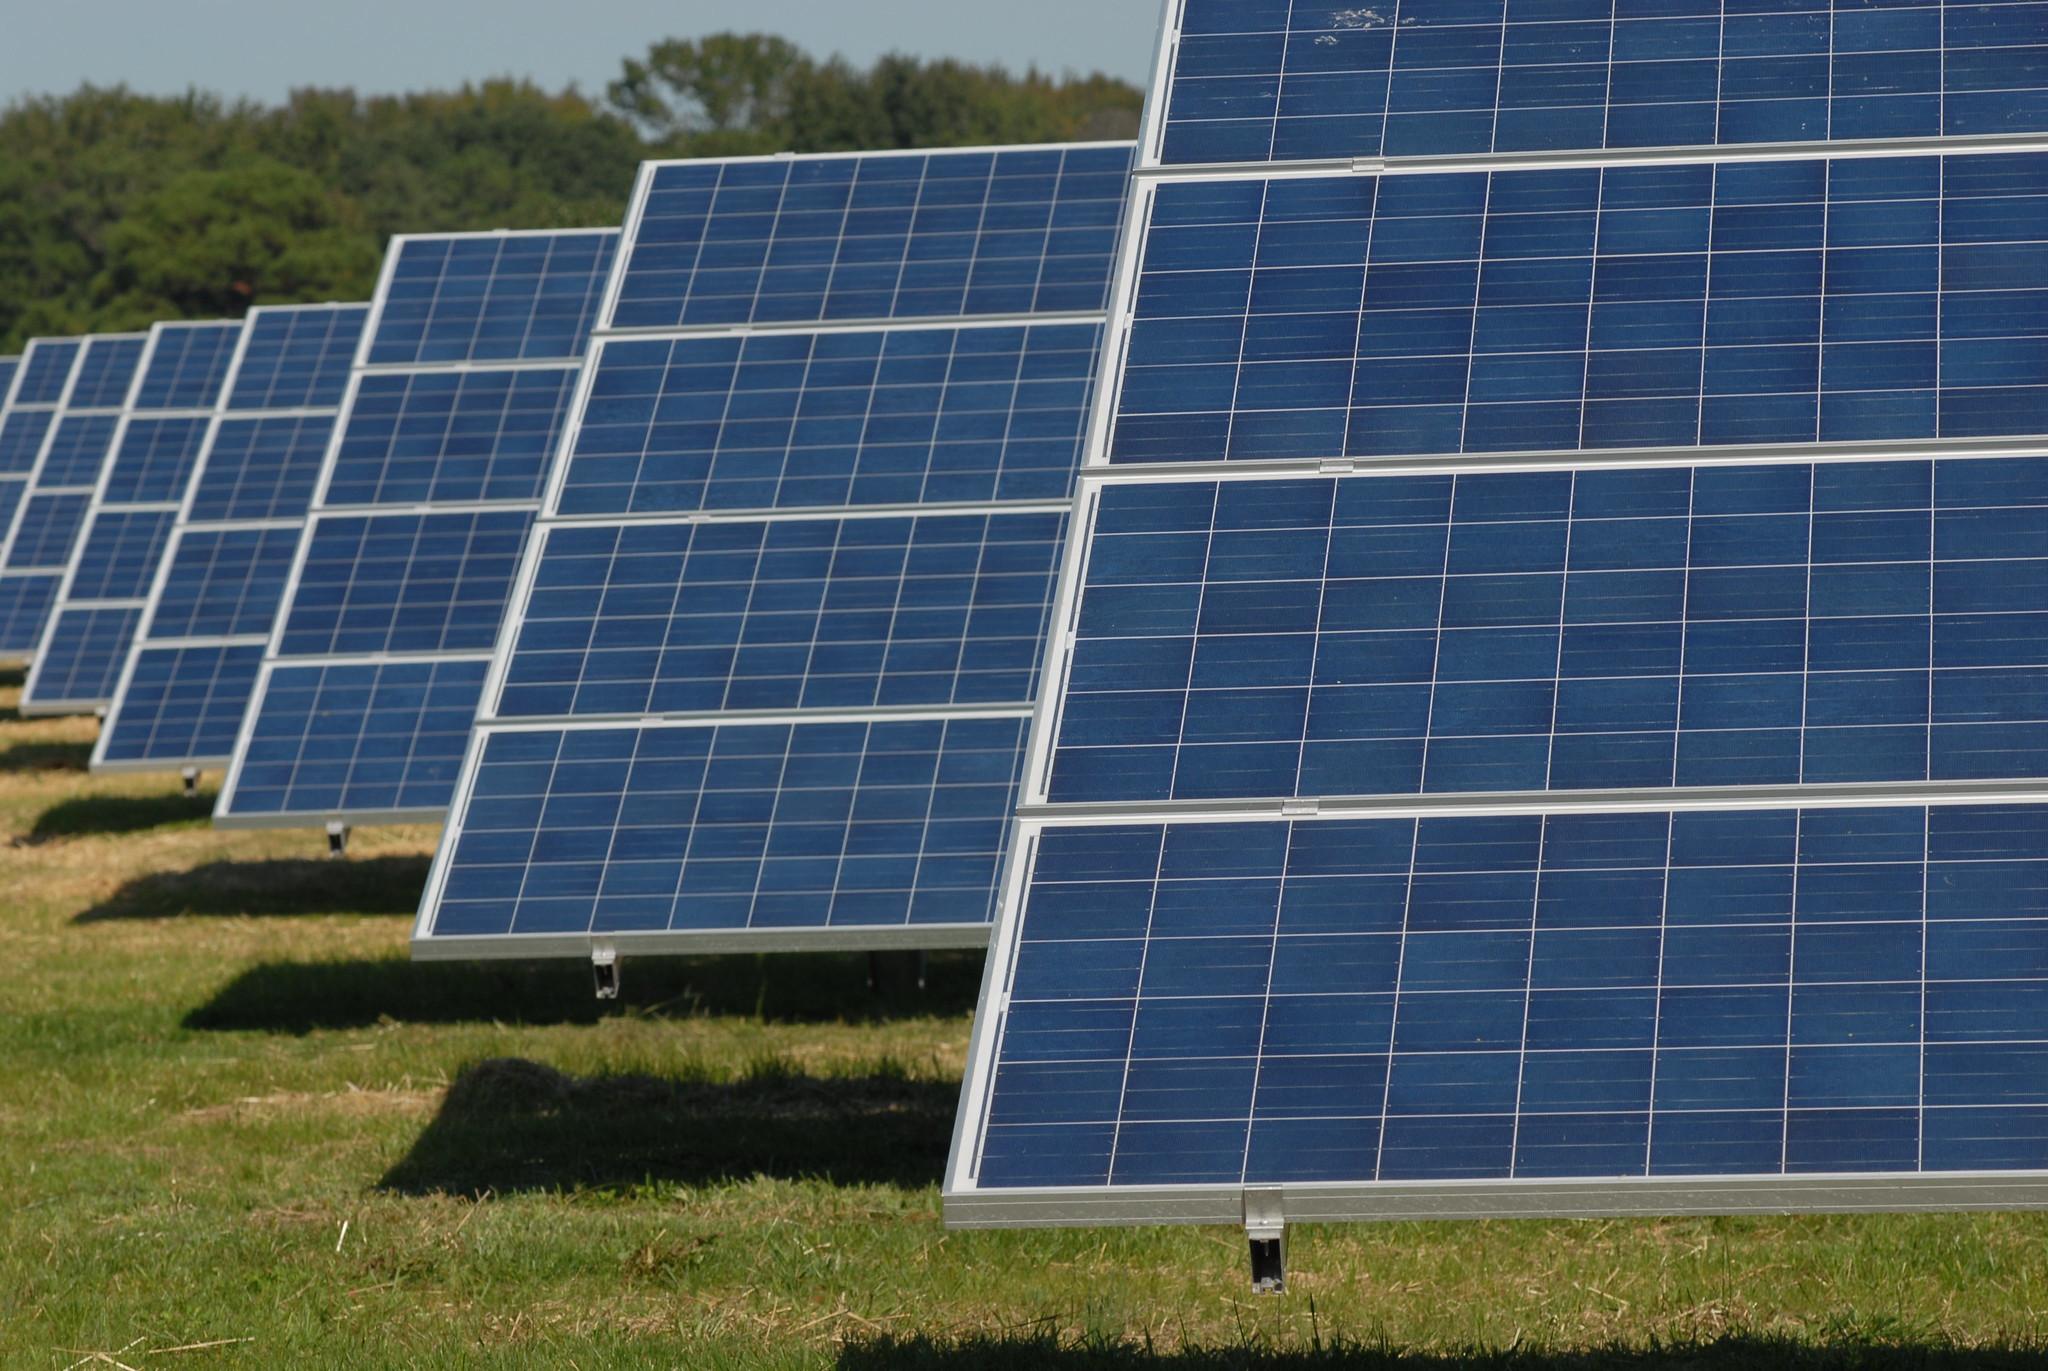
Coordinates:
59 432
792 580
424 498
9 368
137 492
1546 722
218 586
1276 82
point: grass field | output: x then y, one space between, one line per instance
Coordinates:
239 1128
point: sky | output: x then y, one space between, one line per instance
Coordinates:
263 48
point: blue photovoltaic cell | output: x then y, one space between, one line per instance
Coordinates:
358 738
1594 630
298 358
188 367
492 298
77 451
47 531
47 370
224 582
183 703
865 824
876 237
833 419
10 499
450 436
25 603
1270 80
119 559
84 653
106 373
262 468
791 614
1759 992
21 438
153 460
1591 308
404 582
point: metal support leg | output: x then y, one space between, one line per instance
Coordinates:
1265 1225
604 971
337 841
190 775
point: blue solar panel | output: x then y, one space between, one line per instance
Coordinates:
403 582
25 602
261 468
223 583
1561 631
945 234
781 421
795 614
1752 992
46 531
82 654
421 437
376 738
153 461
1272 81
830 825
1594 308
119 558
21 438
46 370
188 366
106 373
181 702
297 357
491 297
77 451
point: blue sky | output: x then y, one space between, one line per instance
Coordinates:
263 48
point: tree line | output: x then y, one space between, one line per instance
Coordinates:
118 209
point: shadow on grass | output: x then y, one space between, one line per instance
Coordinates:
515 1125
118 814
42 756
302 997
1031 1353
283 887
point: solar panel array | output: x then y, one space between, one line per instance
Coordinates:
59 433
1548 717
127 526
213 603
370 674
777 634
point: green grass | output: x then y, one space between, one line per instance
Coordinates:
233 1113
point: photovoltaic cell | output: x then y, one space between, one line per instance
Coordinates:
491 297
76 452
21 439
785 421
106 373
798 614
46 370
188 366
181 702
403 583
223 583
9 367
84 651
735 827
1702 304
261 468
1272 81
426 437
48 527
120 554
785 240
297 358
373 738
153 460
25 601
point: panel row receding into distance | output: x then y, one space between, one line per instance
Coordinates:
369 679
1546 718
74 392
156 448
767 674
189 677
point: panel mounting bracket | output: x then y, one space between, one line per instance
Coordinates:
1265 1226
1336 466
190 776
1291 808
604 970
337 840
